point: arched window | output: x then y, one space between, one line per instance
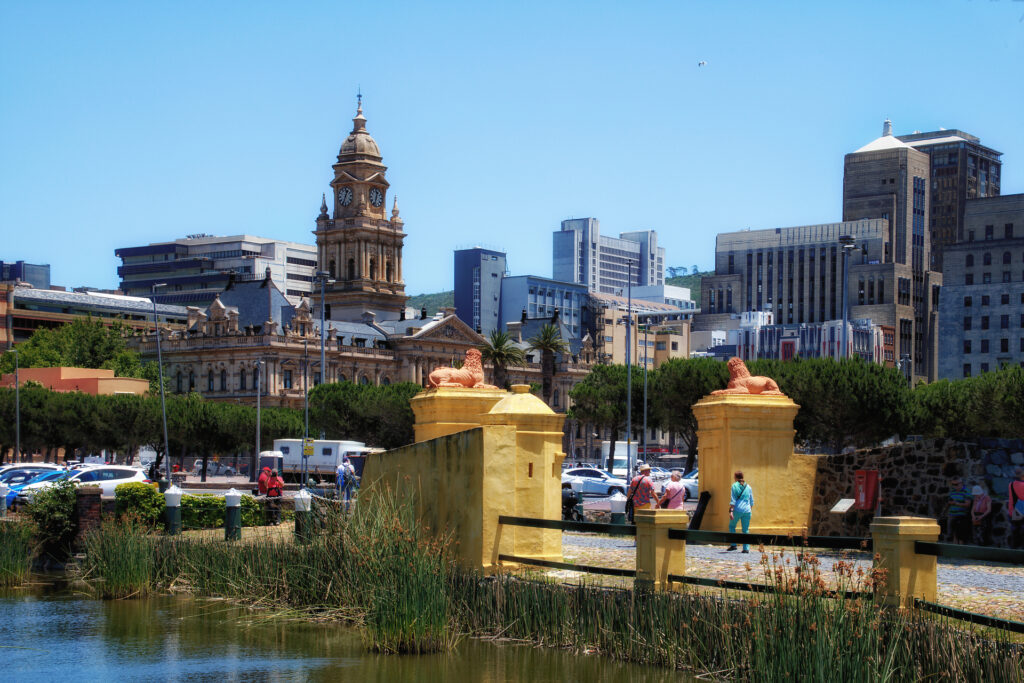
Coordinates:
209 381
987 259
223 380
179 382
364 380
241 380
341 377
970 260
351 269
330 269
554 398
191 380
255 379
1006 257
388 272
385 381
373 269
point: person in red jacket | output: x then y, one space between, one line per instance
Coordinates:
275 489
261 483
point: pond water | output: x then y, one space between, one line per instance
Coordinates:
53 633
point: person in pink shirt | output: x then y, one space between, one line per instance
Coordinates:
674 493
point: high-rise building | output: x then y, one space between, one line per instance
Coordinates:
961 169
582 255
198 267
981 307
360 247
478 276
34 274
891 180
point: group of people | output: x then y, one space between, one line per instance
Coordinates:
271 485
970 513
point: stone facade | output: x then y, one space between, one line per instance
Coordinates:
915 481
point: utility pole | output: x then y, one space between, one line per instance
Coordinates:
256 455
630 462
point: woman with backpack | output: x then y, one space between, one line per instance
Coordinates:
741 504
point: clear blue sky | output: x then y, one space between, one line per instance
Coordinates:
128 123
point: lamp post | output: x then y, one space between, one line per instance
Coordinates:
17 406
630 464
163 403
305 393
846 241
323 278
643 439
255 462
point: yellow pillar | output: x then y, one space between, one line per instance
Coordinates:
536 485
656 555
908 574
447 410
754 434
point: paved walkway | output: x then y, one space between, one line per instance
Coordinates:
993 589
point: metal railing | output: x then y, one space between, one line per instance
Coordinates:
828 542
970 552
561 525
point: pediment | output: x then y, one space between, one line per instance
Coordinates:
451 330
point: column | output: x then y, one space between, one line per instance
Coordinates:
909 575
657 556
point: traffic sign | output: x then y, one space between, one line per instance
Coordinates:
307 447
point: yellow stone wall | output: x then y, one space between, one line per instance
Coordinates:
507 462
754 433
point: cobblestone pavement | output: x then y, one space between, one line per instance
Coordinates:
996 590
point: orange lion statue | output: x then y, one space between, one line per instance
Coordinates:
470 375
742 382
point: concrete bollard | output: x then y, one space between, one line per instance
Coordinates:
303 523
232 515
4 490
909 575
657 556
172 512
617 508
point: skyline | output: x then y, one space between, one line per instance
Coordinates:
133 125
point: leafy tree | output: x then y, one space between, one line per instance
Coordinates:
376 415
500 352
600 400
549 342
678 384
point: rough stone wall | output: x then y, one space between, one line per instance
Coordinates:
915 481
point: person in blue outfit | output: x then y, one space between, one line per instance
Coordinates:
741 503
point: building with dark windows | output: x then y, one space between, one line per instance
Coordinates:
198 267
982 301
961 169
602 264
478 276
36 275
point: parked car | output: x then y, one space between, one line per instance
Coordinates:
595 481
20 474
46 476
690 486
213 467
107 477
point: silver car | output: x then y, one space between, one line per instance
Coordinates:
595 482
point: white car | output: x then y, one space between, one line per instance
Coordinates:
107 477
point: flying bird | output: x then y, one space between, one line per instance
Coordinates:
702 63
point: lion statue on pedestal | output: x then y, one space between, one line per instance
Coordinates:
470 375
742 382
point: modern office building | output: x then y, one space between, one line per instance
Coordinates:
26 309
582 255
198 267
891 180
36 275
961 169
666 294
478 280
981 307
539 297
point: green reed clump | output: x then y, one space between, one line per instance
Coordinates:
121 554
16 553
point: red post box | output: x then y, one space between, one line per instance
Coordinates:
865 489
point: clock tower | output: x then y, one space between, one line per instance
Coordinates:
358 244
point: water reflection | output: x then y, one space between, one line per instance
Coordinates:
54 633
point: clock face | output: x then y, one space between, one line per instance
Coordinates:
376 197
345 196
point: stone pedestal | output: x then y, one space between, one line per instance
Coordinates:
447 410
537 470
754 433
656 555
909 575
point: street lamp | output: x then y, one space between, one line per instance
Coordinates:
256 454
846 242
630 464
160 369
323 278
17 406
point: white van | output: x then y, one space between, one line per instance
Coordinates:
327 455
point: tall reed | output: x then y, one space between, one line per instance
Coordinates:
121 554
16 553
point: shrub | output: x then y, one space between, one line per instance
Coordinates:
53 511
207 511
143 501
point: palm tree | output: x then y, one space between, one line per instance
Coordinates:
549 342
500 352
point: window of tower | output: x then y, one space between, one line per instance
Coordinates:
351 269
373 269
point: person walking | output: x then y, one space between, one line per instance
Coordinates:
339 481
275 489
641 491
741 504
261 483
1015 505
674 493
981 514
958 511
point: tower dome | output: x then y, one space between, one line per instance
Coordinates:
359 142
